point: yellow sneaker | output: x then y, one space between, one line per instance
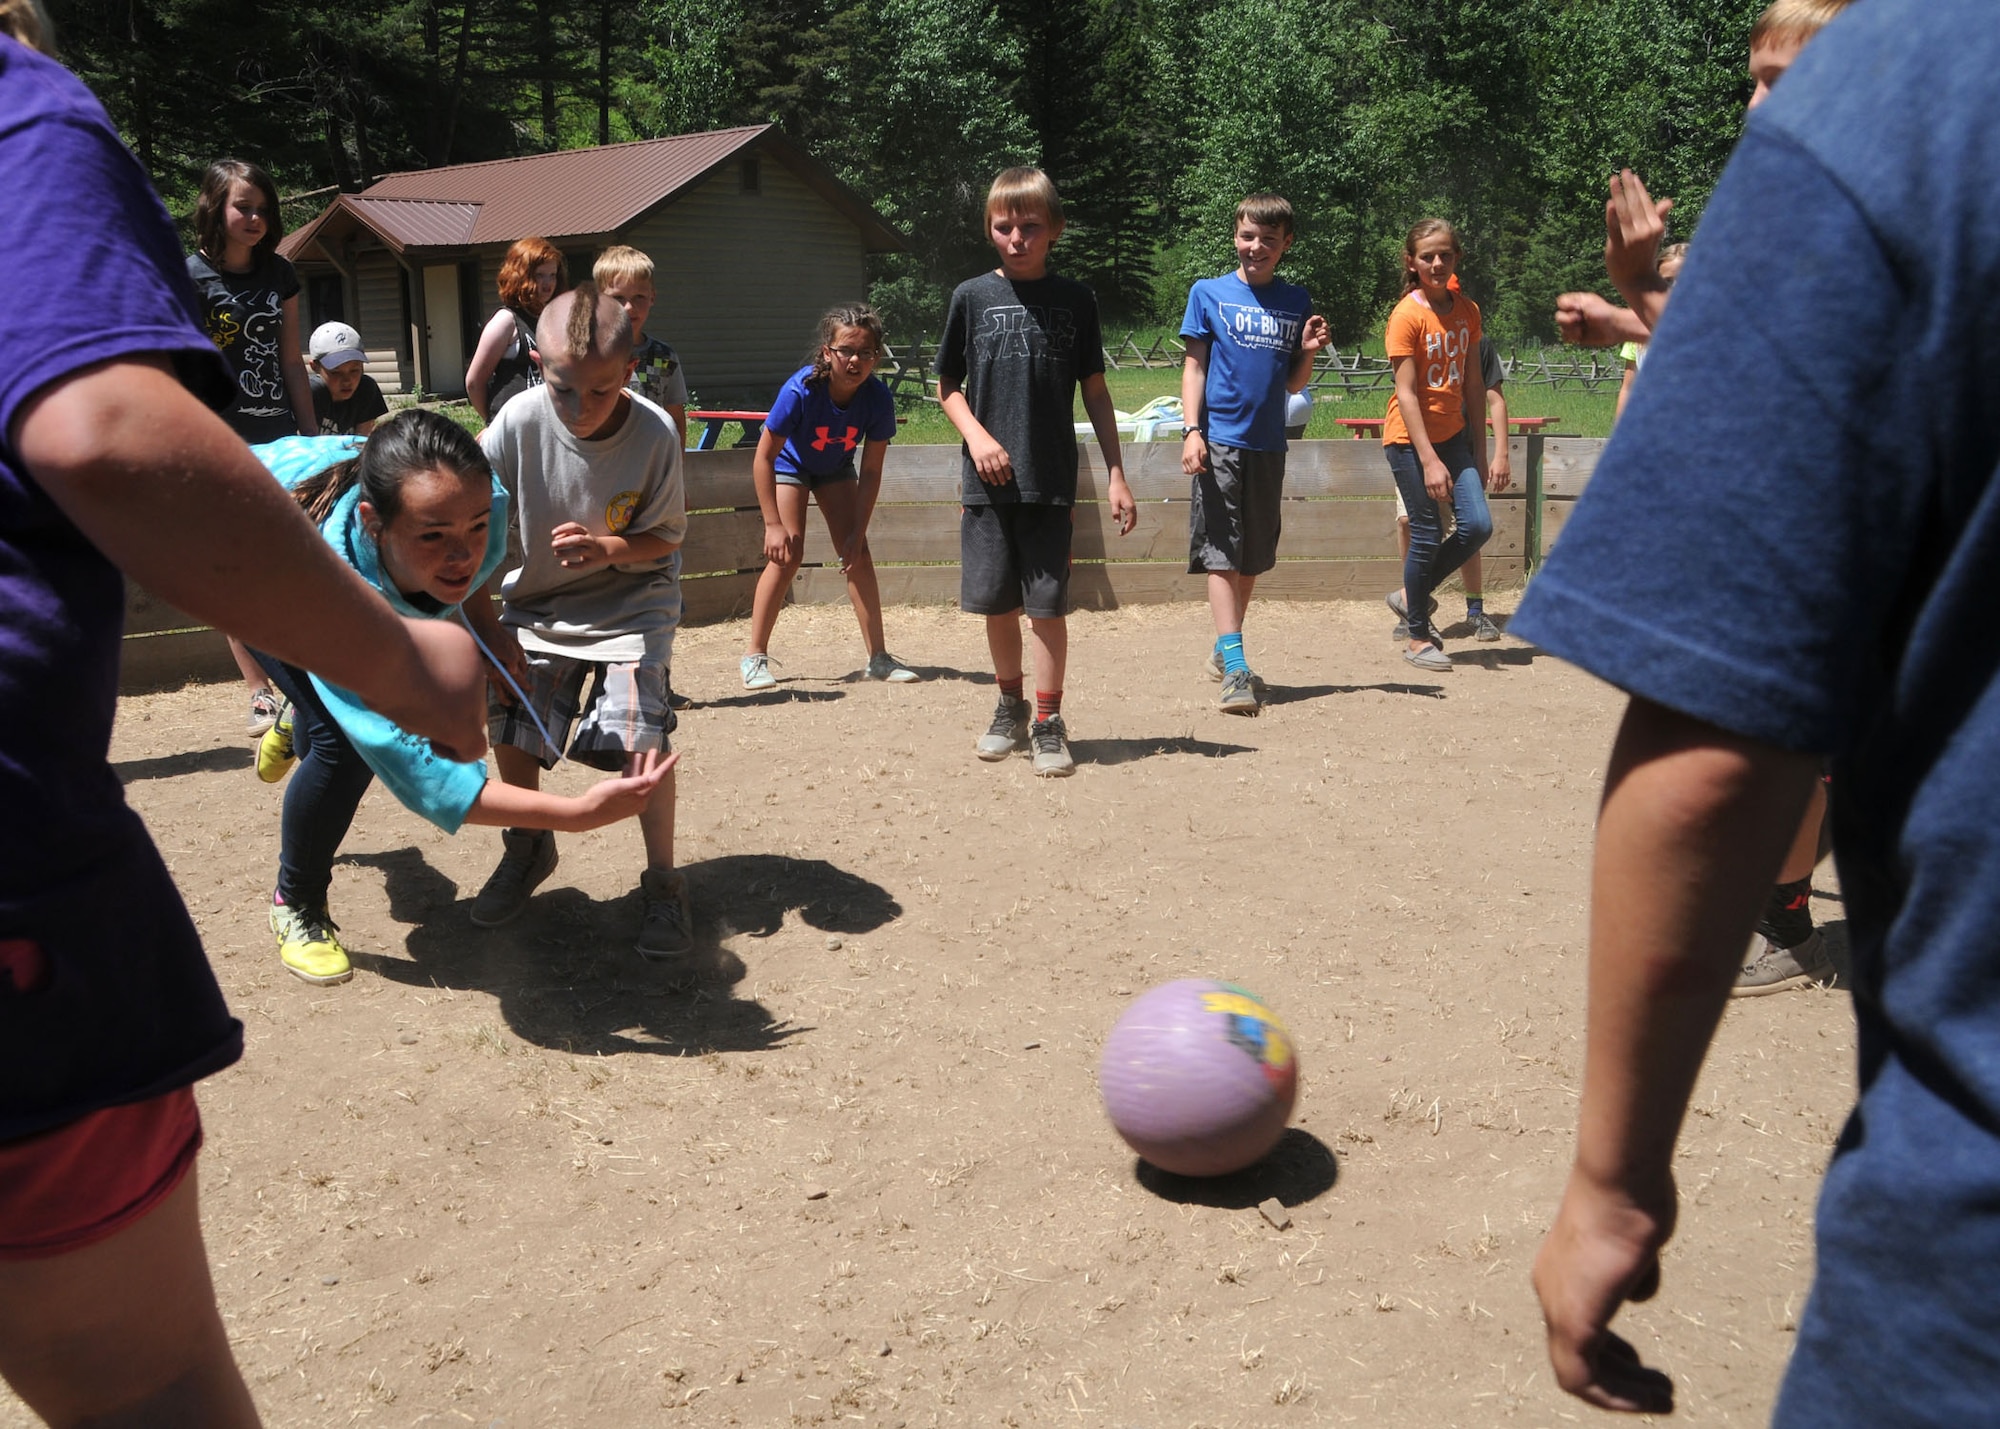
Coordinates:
275 751
307 945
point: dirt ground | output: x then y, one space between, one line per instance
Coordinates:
858 1172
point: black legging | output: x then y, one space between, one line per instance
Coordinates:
325 791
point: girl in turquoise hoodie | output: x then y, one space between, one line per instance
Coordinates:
419 514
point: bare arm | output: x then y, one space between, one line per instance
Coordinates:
1194 398
1693 826
1312 341
1475 403
1437 480
1588 320
493 340
173 497
778 543
1500 471
607 801
989 458
1104 422
298 388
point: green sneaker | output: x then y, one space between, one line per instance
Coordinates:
307 945
275 751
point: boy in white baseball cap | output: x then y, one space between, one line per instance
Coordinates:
346 400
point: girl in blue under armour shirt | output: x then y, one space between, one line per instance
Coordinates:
827 414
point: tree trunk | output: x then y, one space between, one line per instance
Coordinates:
544 35
604 71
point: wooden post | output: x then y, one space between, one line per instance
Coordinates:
1531 547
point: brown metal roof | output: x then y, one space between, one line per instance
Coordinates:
418 223
572 192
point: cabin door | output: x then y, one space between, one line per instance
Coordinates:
443 324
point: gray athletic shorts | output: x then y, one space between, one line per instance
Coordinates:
627 712
1235 518
814 483
1014 558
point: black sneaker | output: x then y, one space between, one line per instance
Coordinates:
1008 732
1051 740
527 858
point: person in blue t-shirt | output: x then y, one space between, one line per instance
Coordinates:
420 514
825 413
109 1011
1848 276
1250 339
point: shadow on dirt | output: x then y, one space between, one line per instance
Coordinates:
219 760
566 975
1300 1168
1124 751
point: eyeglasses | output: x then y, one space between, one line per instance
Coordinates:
854 354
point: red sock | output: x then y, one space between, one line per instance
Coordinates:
1048 704
1011 689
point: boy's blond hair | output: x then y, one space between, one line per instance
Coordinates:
621 263
1794 21
1266 211
1025 190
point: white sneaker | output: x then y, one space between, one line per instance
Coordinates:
757 672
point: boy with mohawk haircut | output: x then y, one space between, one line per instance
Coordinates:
594 471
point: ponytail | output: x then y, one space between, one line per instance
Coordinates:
831 322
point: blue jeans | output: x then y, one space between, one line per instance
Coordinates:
325 791
1431 558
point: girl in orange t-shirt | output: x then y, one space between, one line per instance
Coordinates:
1434 454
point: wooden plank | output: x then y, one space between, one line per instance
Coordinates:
1153 470
1108 585
165 662
1555 515
1567 463
912 534
146 613
714 598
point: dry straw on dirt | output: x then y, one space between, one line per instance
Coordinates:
857 1173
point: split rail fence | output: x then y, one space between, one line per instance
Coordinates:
909 369
1339 539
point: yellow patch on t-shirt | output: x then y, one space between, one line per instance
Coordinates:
618 515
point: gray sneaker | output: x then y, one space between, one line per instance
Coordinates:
1401 634
1051 740
884 666
1483 627
1212 667
1399 603
1770 968
1239 694
1429 657
527 858
1007 733
668 931
757 672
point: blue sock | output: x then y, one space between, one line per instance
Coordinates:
1230 648
1475 606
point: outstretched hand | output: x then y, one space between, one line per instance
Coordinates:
1602 1251
624 796
1588 320
1634 224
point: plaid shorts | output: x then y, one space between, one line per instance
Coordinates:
627 712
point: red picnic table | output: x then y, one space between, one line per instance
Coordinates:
712 424
1361 427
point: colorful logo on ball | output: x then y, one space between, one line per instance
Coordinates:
1253 1027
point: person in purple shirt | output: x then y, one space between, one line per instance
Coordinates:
110 456
826 415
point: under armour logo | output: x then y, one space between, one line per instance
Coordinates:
848 440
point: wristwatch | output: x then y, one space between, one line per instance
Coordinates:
1187 432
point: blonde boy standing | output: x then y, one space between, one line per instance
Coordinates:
625 275
1017 343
